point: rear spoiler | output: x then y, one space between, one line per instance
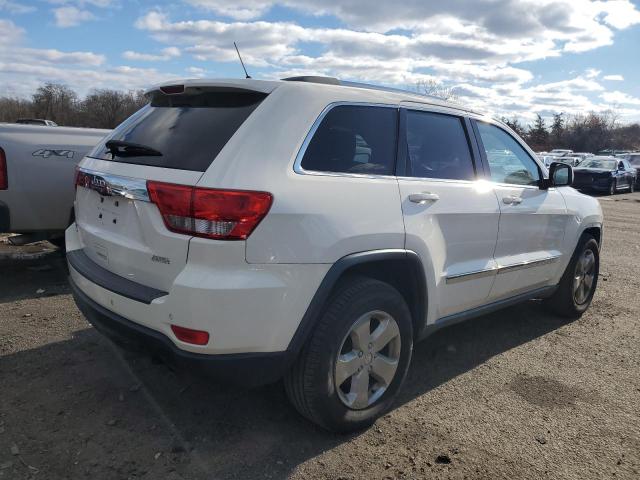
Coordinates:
223 85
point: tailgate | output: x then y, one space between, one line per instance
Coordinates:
122 231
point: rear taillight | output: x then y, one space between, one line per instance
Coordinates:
81 178
208 212
4 178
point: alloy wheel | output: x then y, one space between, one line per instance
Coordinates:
584 277
368 359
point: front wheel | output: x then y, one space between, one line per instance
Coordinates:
632 186
578 284
612 187
352 367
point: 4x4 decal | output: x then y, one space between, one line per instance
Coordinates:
46 153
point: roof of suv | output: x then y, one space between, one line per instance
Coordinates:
376 93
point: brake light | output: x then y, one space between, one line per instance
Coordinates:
82 179
4 177
208 212
187 335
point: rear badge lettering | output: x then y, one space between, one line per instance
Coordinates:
159 259
46 153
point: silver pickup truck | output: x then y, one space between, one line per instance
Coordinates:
37 168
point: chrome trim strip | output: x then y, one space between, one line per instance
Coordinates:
297 164
463 277
107 184
527 264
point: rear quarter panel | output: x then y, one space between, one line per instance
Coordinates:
314 218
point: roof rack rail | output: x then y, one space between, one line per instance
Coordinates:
345 83
314 79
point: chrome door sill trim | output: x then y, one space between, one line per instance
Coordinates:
463 277
527 264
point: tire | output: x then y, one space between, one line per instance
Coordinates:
311 383
566 301
613 187
632 186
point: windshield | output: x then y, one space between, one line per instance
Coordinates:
605 164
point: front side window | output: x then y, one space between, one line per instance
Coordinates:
354 139
508 161
437 147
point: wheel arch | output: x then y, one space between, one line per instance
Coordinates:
400 268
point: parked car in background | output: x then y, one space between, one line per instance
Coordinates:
561 152
582 155
37 121
605 174
634 160
37 167
314 230
569 160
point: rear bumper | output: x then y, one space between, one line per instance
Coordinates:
248 369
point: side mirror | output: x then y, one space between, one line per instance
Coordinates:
560 175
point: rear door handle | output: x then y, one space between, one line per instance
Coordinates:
424 197
512 200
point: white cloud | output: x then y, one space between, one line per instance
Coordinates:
620 98
11 33
71 16
614 78
23 69
12 7
166 54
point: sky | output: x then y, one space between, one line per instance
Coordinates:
513 58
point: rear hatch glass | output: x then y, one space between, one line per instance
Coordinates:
183 131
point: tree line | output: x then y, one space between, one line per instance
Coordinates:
590 132
101 108
105 108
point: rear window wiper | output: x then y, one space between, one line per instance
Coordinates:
119 148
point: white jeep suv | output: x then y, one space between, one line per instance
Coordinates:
314 230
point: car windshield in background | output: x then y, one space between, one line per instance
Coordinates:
188 131
605 164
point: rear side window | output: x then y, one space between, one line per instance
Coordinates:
188 130
437 147
354 139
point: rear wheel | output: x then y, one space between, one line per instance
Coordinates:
351 369
578 284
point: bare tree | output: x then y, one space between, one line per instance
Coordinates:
107 108
55 102
436 89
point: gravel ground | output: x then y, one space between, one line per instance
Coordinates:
518 394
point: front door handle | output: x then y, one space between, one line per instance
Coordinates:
424 197
512 200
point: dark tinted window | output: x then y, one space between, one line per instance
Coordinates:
354 139
437 147
508 161
188 129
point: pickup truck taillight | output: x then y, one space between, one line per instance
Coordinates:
4 177
208 212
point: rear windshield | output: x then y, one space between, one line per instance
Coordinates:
187 130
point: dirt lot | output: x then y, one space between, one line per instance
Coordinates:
519 394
